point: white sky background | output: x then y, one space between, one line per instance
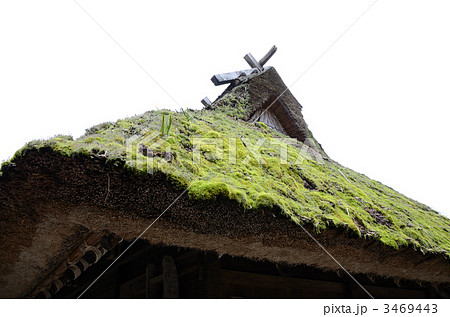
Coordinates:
377 100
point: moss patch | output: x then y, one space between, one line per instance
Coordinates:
227 157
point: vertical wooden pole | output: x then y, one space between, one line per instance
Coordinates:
170 278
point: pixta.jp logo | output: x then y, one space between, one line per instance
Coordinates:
150 151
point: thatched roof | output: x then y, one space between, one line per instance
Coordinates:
265 96
53 193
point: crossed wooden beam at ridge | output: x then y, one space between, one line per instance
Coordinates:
256 67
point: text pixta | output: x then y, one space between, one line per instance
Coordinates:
344 309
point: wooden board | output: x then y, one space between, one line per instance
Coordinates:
226 78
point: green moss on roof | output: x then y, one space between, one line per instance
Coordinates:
307 190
